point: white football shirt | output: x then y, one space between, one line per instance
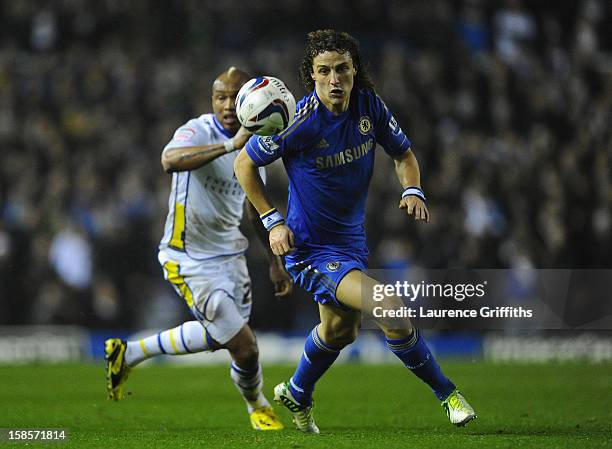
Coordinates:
206 204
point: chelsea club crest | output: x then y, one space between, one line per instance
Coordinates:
365 125
332 266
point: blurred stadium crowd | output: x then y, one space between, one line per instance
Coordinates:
508 105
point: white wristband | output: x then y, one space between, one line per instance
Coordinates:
229 145
272 218
414 191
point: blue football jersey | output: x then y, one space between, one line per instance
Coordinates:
329 161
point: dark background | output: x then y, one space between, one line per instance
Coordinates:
508 106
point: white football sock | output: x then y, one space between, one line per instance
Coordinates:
187 338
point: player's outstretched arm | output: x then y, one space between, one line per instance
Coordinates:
191 158
413 198
280 236
283 285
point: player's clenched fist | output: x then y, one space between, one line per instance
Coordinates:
281 240
241 137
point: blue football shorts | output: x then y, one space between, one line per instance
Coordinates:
320 273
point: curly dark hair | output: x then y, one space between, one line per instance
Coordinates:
331 40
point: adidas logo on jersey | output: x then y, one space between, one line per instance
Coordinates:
322 144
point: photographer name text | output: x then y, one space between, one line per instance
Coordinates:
482 312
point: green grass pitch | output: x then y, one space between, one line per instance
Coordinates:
358 406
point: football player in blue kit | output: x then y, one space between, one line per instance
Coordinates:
328 153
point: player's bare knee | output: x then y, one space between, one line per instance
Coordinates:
338 338
393 326
246 356
386 317
250 351
397 330
243 347
347 337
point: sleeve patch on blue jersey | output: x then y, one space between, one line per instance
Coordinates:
395 129
267 145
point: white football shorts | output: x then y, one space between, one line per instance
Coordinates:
217 291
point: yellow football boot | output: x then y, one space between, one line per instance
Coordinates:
264 418
116 369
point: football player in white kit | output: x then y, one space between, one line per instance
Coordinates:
202 255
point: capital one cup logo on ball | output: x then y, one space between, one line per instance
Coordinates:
265 106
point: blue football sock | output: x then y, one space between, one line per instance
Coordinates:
417 357
316 359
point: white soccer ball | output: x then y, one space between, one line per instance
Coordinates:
265 106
